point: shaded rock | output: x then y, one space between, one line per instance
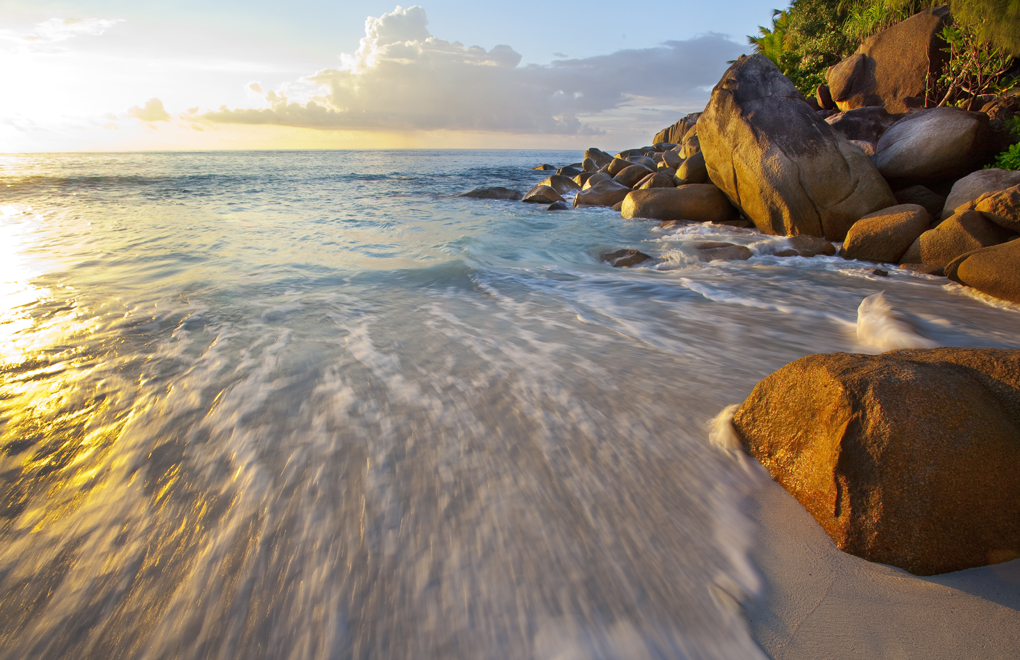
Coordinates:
699 202
600 157
656 180
541 194
1001 207
672 224
677 131
961 233
617 206
868 124
910 457
558 206
692 170
935 143
544 167
589 165
560 183
631 175
595 178
618 165
672 159
922 196
880 272
786 169
807 246
583 178
892 68
657 158
867 147
972 186
739 223
642 160
994 270
927 269
624 258
885 235
494 192
691 146
719 251
627 153
667 171
602 193
824 97
663 146
569 171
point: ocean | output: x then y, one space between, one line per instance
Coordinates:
317 405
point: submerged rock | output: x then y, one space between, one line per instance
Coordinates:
786 169
494 192
624 258
720 251
909 458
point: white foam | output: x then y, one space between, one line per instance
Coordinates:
879 326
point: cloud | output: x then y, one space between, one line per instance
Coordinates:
403 78
152 112
57 29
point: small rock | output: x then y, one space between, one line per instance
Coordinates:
880 272
624 258
719 251
558 206
544 167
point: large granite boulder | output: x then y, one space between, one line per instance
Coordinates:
494 192
542 194
934 144
885 235
698 202
910 457
893 67
963 232
616 166
560 183
603 193
677 131
972 186
786 169
992 270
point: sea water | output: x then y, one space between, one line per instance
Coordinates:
317 405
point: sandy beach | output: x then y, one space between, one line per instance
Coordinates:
819 602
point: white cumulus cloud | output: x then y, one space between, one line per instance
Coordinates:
152 111
403 78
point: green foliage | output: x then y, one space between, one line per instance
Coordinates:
1009 159
994 21
974 68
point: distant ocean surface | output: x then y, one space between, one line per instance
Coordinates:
316 405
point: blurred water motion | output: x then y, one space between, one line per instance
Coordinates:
311 405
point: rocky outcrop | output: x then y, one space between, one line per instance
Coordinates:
494 192
787 170
695 202
892 68
677 131
910 457
972 186
542 195
597 156
934 144
992 270
885 235
963 232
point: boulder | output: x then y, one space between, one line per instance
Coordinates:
691 146
672 159
892 68
868 124
692 170
675 133
719 251
1001 207
595 178
910 457
631 175
698 202
541 194
656 180
624 258
786 169
972 186
618 165
569 171
667 171
663 146
589 165
885 235
962 233
583 177
560 183
643 160
922 196
544 167
933 144
602 193
495 192
807 246
994 270
823 96
600 157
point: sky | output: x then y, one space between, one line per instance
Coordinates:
135 75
